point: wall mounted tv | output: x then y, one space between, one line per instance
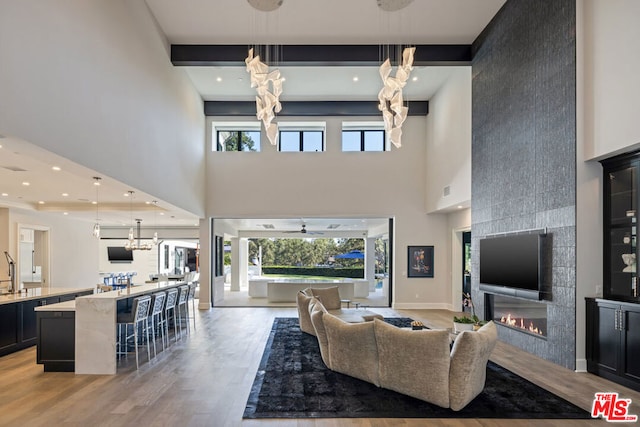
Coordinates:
513 265
119 254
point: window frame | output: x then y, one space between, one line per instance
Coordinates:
363 128
239 128
302 128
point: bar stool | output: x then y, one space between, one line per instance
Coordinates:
191 297
137 317
157 311
182 305
170 309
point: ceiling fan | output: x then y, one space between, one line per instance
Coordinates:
303 230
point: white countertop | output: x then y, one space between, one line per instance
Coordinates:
134 290
37 293
61 306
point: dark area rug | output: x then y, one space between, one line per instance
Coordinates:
293 382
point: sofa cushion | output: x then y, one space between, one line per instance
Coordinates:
303 313
353 315
415 363
316 314
352 348
330 297
469 356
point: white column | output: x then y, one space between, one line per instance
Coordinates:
205 297
370 259
244 262
235 264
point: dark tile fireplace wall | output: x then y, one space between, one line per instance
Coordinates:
524 151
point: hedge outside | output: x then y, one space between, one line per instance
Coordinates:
347 272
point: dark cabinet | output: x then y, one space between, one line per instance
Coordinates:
8 328
621 193
18 323
28 319
613 341
56 340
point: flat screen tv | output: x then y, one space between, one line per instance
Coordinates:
119 254
513 265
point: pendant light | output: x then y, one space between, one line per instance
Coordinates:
96 226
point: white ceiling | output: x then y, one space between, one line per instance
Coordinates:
236 22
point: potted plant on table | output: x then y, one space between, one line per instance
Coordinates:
466 323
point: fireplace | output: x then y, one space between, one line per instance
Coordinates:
525 316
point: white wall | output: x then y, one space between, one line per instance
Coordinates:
92 82
74 251
611 85
336 184
144 262
449 143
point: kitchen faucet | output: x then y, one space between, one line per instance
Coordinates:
12 273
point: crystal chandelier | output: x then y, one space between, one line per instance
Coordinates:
394 113
269 88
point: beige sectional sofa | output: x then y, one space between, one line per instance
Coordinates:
331 301
421 364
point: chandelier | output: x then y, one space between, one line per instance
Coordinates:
134 243
96 226
394 113
269 88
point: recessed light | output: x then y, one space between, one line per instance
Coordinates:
355 79
26 183
56 168
40 202
65 213
414 79
147 202
460 206
65 194
126 194
218 79
161 213
94 202
5 194
283 79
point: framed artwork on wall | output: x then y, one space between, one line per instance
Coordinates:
420 261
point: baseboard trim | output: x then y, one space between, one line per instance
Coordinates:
581 365
421 306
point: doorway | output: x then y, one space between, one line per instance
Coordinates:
466 264
33 256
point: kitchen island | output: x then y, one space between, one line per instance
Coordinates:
94 338
17 316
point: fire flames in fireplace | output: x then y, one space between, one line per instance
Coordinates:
521 323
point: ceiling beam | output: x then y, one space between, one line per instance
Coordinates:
309 108
317 55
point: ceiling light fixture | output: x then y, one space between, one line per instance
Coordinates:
56 168
96 226
394 113
393 5
133 243
269 88
155 221
265 5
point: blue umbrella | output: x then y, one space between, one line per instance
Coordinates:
351 255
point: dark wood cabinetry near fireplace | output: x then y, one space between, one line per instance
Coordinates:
613 322
613 341
621 194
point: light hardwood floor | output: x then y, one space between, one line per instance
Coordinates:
205 379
